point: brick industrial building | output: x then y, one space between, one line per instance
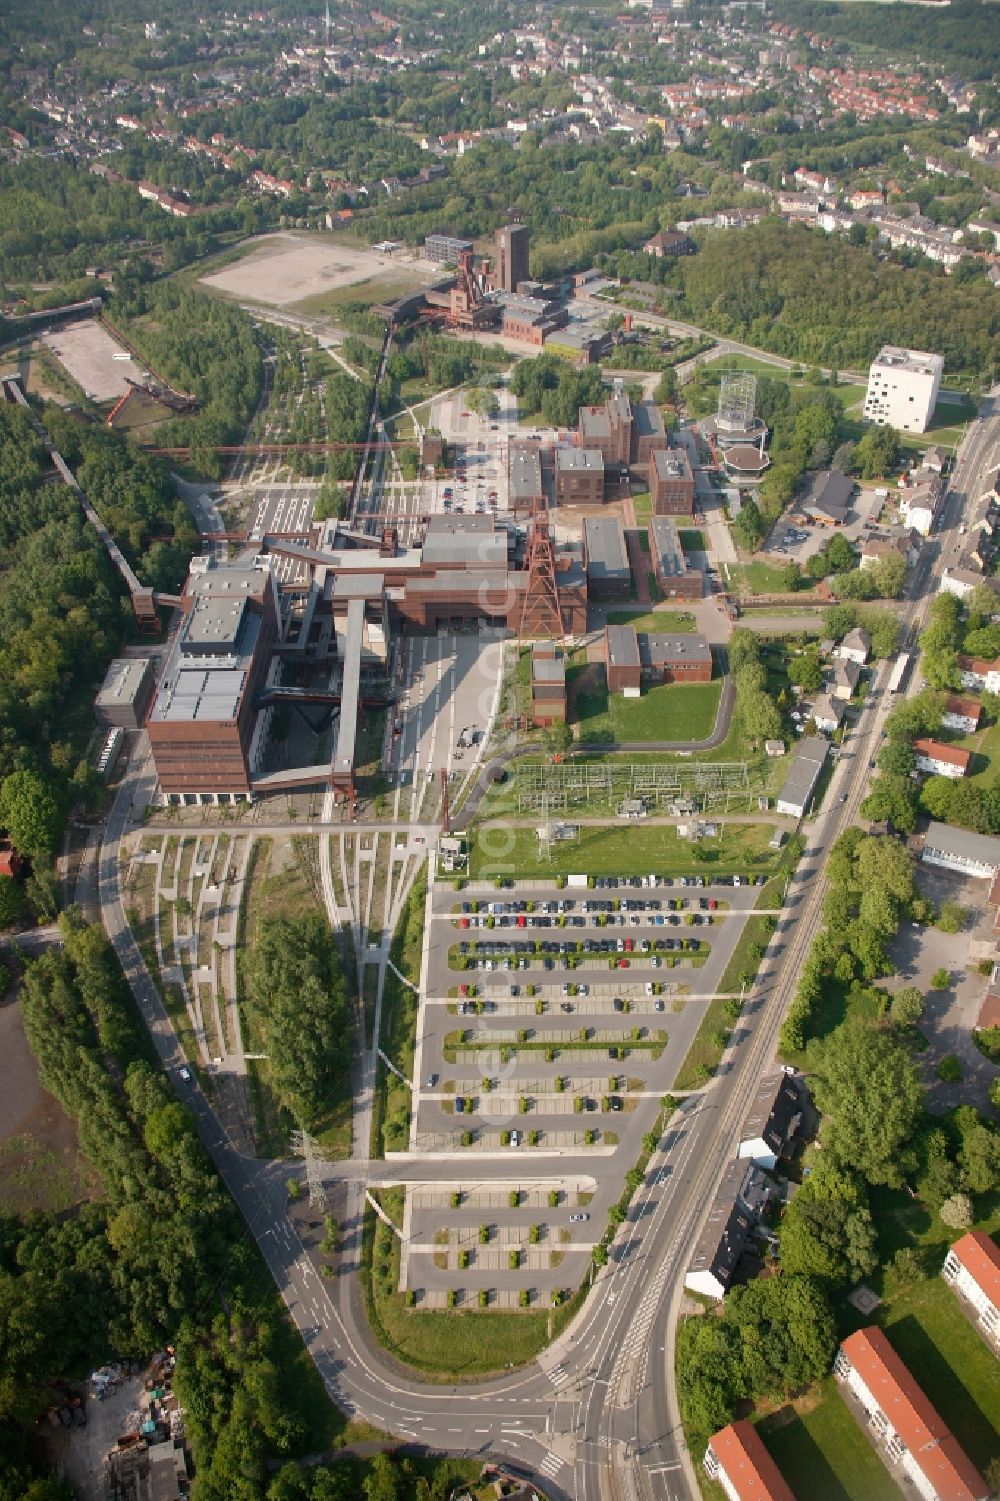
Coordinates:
204 733
671 482
638 659
675 577
609 576
548 683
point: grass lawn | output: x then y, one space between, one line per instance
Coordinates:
666 622
391 1107
761 578
675 711
822 1453
642 505
692 540
635 850
985 746
953 1363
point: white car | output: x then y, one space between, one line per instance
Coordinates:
578 1219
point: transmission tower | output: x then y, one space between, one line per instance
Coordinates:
541 610
305 1146
545 832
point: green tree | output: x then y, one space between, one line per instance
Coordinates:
867 1084
952 916
11 902
30 812
956 1212
907 1006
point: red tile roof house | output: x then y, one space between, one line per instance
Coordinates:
738 1461
972 1267
941 760
962 714
903 1425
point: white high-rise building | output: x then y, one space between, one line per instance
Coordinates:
903 387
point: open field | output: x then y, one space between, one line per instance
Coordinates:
822 1453
673 711
87 351
667 622
40 1165
635 850
762 578
985 748
282 269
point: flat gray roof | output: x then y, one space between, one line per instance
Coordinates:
606 554
357 585
648 419
984 848
545 669
457 544
808 760
657 648
122 681
347 732
213 625
672 463
579 458
200 688
668 555
524 472
623 646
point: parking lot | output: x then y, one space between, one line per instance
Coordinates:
283 508
797 541
479 483
553 1022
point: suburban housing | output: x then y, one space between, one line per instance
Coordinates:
961 850
738 1461
773 1122
904 1426
739 1203
972 1267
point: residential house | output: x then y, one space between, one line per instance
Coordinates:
983 676
941 760
737 1460
844 677
827 712
902 1423
774 1120
855 647
963 851
739 1203
961 714
920 501
667 243
886 542
972 1267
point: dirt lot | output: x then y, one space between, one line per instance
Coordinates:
39 1164
284 268
87 351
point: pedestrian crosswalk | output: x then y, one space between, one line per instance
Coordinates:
551 1465
560 1377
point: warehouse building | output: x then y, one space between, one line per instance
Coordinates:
806 764
962 851
444 250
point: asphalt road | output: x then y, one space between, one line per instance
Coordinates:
596 1416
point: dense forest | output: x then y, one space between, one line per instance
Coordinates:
62 612
298 1000
163 1256
824 301
960 35
202 346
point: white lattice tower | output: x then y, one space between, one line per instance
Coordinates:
737 401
